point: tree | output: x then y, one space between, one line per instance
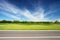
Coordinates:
16 21
56 21
5 21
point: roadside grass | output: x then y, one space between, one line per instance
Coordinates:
12 26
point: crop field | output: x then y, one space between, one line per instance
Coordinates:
12 26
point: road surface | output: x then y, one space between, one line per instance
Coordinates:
30 35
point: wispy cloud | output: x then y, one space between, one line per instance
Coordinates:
7 10
18 12
12 16
38 15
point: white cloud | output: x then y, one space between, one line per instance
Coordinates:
50 12
37 15
25 12
12 16
7 7
19 12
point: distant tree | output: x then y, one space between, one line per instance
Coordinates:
15 21
5 21
56 21
9 21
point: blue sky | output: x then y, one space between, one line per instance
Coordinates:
30 10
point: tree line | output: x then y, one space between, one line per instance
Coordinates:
29 22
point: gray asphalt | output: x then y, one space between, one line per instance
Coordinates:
29 34
31 39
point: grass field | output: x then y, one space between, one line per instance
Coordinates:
29 26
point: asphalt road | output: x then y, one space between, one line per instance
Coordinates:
30 35
31 39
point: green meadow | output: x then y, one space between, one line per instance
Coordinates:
18 26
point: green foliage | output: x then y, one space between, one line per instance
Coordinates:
56 22
15 21
5 21
25 25
28 22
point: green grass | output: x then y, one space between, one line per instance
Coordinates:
29 26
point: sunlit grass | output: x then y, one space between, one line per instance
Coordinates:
29 27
